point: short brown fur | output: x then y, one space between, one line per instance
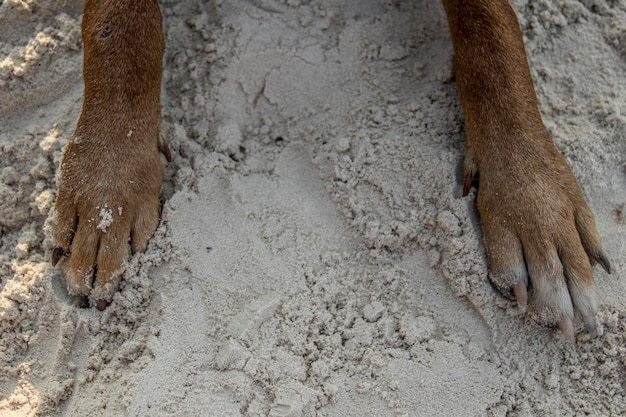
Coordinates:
538 228
111 165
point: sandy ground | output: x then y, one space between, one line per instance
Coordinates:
314 257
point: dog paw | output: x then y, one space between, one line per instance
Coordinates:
540 235
107 206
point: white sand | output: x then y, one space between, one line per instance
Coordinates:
314 256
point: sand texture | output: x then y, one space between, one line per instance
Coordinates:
315 257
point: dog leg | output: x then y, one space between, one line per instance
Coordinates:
540 234
111 173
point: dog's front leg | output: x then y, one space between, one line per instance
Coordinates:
540 234
111 173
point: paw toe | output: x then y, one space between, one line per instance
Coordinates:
508 272
144 226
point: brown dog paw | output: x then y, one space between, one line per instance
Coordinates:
111 173
540 234
107 204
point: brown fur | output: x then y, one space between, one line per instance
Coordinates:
112 161
540 234
539 231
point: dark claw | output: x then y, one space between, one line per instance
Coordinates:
57 253
102 304
472 179
165 150
505 292
83 301
601 259
467 184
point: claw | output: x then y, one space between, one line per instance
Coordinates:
471 172
165 150
102 304
566 326
162 141
521 294
57 253
83 301
603 261
467 184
